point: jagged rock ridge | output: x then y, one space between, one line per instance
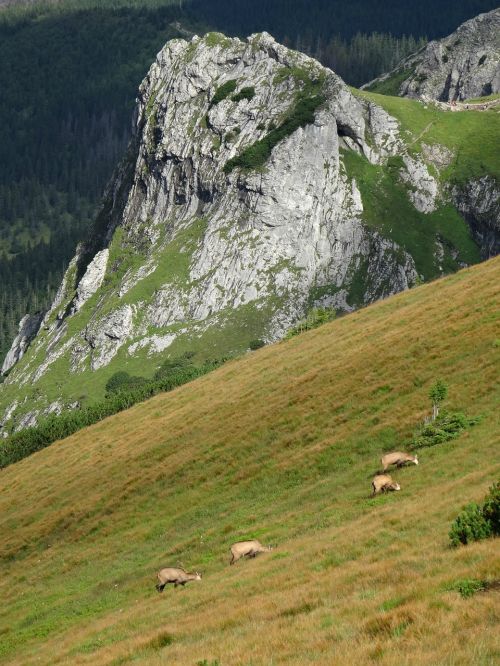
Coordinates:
232 214
464 65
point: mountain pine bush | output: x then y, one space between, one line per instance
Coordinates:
477 522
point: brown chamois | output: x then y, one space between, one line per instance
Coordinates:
247 549
382 483
398 458
174 575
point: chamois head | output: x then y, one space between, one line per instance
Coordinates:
197 575
415 460
394 486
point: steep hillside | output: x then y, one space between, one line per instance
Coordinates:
257 186
279 445
464 65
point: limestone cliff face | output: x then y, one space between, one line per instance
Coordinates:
464 65
232 214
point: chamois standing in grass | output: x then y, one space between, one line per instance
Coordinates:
175 575
382 483
247 549
398 458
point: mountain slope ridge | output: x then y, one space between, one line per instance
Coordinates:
463 65
191 255
279 445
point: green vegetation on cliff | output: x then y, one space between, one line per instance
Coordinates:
308 98
471 137
388 209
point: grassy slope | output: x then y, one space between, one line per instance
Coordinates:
279 445
472 136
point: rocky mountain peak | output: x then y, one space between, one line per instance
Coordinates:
464 65
240 204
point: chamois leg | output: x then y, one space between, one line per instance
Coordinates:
160 588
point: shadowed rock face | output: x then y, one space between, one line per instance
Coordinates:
479 203
183 242
464 65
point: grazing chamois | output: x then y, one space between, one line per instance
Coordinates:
247 549
382 483
398 458
174 575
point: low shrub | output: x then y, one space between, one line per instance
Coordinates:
491 508
223 92
256 344
477 522
161 641
315 317
446 426
121 381
245 93
470 525
469 586
174 365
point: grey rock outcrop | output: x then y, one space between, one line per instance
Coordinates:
92 280
464 65
28 328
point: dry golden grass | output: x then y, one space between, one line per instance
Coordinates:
279 445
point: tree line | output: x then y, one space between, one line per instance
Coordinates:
326 18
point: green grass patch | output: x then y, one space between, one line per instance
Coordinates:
391 85
483 100
391 603
472 137
388 209
217 39
223 92
468 587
